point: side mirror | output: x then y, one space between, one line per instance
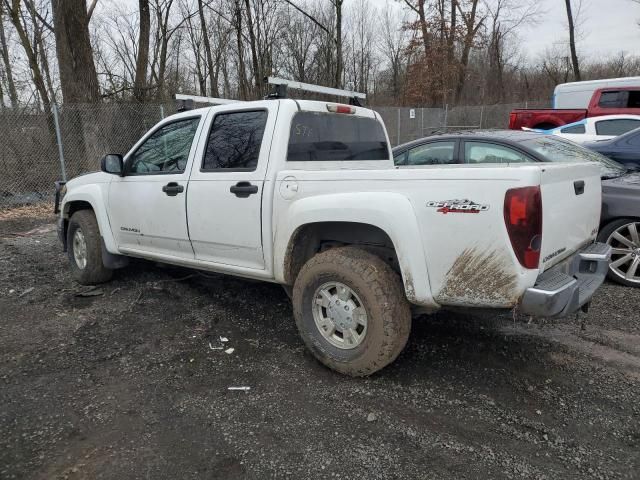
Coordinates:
112 163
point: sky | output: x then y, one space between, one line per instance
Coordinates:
606 27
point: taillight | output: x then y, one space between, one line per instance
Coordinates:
334 108
523 218
512 121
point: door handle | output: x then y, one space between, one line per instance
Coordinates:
172 189
243 189
578 187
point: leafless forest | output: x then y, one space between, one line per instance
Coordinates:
405 52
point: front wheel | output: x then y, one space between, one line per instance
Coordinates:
623 235
351 311
84 247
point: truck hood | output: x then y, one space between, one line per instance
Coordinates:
89 178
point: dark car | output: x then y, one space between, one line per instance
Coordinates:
624 148
620 218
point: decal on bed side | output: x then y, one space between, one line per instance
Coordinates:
458 206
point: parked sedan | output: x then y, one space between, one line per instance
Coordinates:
594 128
620 217
624 149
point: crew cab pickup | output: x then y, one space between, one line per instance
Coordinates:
603 101
306 194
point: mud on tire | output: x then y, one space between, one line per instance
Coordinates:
93 271
382 294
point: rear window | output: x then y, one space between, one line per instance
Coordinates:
554 149
335 137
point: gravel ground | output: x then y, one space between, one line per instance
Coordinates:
128 381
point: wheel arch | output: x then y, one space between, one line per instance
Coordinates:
384 223
89 197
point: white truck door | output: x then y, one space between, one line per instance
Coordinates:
224 199
147 207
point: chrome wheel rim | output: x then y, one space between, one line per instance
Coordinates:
339 315
80 249
625 253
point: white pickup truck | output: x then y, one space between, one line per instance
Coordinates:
306 194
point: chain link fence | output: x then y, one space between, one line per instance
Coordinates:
37 149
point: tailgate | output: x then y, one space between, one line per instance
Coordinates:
571 202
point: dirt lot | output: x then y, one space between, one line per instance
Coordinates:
123 383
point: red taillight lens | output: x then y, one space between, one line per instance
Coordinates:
512 121
335 108
523 218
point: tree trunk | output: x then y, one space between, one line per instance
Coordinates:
78 77
572 42
257 73
32 57
207 50
4 51
339 59
422 19
140 81
242 79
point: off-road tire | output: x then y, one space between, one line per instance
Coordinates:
94 272
603 236
382 293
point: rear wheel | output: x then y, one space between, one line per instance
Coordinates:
624 237
84 247
351 310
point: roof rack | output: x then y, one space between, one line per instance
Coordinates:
185 102
281 85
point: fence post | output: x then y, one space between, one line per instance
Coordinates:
422 122
56 121
446 114
161 112
398 126
481 115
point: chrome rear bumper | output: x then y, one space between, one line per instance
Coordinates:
566 287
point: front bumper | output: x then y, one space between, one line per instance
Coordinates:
566 287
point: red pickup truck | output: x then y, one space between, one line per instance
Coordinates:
604 101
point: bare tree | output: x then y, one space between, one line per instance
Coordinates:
572 42
18 21
6 61
78 76
142 59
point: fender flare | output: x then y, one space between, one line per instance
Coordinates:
392 213
94 195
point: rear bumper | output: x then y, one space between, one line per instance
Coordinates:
566 287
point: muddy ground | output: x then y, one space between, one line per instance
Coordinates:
123 383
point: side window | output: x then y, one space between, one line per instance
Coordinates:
634 99
400 159
166 150
612 99
616 127
481 152
434 153
234 141
574 129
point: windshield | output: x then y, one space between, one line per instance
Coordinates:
558 150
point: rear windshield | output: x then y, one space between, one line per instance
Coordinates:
554 149
334 137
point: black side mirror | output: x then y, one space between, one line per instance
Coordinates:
112 163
